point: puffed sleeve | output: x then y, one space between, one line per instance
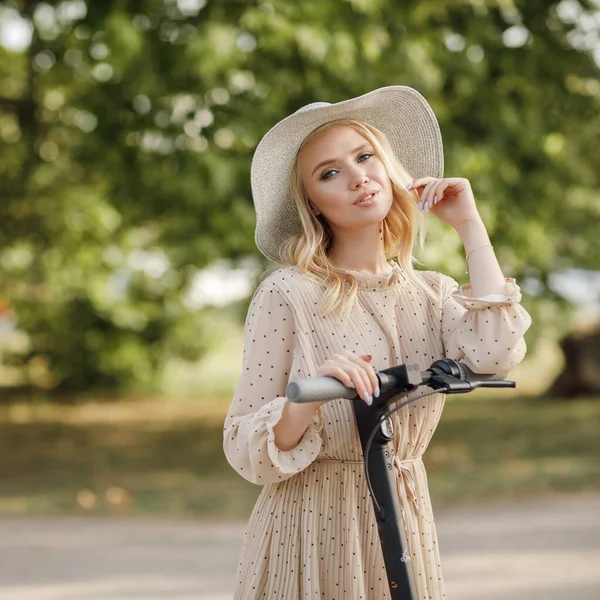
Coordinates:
484 333
248 438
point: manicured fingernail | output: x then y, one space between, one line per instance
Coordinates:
426 206
352 385
435 199
376 392
420 206
410 185
368 399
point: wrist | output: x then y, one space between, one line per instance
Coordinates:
295 420
474 221
301 413
473 234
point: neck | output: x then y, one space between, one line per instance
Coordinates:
360 251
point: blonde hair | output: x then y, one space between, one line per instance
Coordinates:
402 227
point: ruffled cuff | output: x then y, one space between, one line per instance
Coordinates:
464 296
304 453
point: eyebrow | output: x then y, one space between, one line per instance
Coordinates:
330 160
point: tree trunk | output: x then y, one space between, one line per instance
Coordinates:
581 373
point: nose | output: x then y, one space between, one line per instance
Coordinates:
359 179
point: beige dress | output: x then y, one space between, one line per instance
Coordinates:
312 533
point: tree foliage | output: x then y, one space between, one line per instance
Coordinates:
127 130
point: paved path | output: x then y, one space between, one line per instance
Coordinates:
531 550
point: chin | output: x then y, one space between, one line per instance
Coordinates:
383 209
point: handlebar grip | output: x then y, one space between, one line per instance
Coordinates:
318 389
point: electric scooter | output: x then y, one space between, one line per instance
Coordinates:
376 432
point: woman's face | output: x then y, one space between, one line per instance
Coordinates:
338 168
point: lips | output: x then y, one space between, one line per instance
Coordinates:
366 198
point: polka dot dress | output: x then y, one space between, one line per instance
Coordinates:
312 533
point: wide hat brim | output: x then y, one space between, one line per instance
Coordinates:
400 112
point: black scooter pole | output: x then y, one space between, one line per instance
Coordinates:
389 517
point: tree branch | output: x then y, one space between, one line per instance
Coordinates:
11 103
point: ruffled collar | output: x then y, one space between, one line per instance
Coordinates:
374 282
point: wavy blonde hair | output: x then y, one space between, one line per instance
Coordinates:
402 227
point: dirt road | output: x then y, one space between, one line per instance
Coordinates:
530 550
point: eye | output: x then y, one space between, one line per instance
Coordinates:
328 174
325 175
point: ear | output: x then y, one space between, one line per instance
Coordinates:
314 210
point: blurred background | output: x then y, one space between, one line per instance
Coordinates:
126 232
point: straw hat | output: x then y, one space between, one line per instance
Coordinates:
400 112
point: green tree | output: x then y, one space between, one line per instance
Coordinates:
127 130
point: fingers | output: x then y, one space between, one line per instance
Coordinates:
371 374
344 377
361 381
353 371
363 376
432 194
432 191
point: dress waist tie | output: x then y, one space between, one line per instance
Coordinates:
405 479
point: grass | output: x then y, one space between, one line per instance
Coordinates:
143 457
158 457
507 448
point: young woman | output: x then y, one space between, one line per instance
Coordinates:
341 192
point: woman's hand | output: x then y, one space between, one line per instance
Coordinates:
451 200
353 371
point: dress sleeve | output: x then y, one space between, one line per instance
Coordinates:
484 333
248 438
